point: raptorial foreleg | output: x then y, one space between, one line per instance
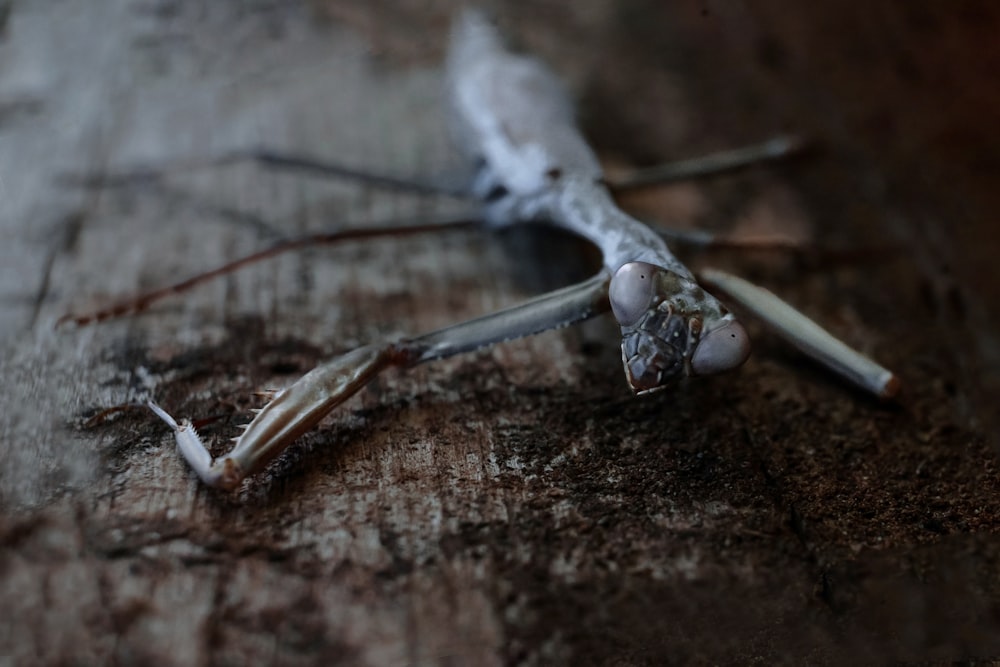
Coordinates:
299 408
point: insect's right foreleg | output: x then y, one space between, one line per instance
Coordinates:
195 452
302 406
286 417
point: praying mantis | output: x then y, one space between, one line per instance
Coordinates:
515 119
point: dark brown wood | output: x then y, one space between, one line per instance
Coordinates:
514 505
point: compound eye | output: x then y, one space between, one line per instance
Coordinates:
631 291
721 349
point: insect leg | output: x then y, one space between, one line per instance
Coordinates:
290 414
704 240
266 158
777 148
143 301
808 254
805 334
303 405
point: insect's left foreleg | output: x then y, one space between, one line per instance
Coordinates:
805 334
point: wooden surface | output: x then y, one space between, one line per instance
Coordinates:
515 505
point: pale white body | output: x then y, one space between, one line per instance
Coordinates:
515 115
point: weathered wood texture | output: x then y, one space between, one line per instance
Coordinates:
515 505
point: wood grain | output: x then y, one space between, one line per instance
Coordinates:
516 505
